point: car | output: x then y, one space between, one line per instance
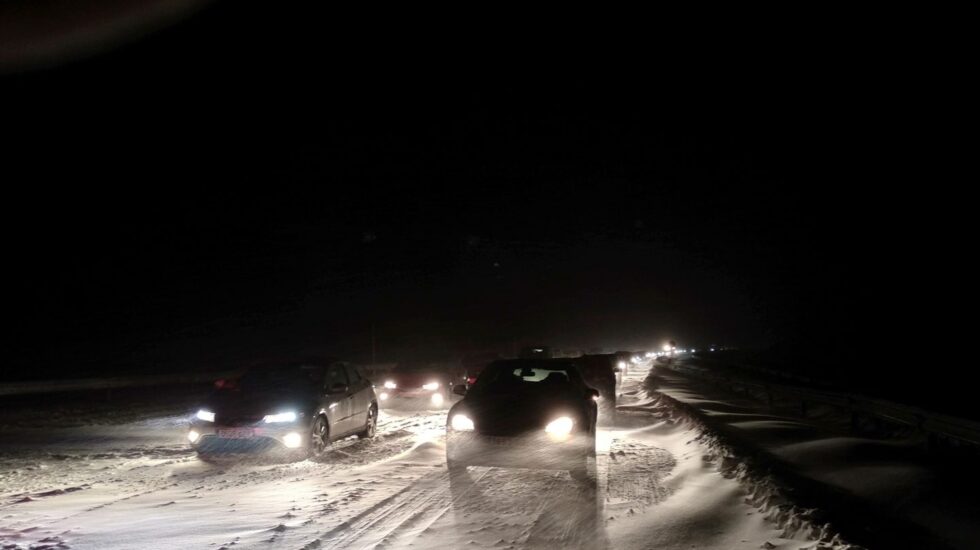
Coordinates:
601 372
419 384
623 361
525 413
297 407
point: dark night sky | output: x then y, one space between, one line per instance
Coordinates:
246 183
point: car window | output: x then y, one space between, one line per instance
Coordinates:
335 375
353 375
532 377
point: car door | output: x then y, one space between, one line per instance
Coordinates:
339 403
360 397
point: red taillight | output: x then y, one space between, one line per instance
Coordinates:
226 384
471 380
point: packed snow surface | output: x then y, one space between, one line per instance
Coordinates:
132 482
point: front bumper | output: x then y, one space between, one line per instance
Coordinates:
537 450
258 438
414 397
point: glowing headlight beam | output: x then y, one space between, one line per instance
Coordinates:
560 426
288 416
390 385
204 415
461 423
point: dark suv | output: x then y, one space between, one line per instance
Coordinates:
525 413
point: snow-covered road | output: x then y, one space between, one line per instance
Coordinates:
136 485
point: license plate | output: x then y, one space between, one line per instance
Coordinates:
236 433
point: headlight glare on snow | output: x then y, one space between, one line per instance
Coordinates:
430 386
461 423
288 416
206 416
560 427
292 440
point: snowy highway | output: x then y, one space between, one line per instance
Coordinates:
136 484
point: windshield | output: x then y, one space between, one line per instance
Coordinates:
527 376
293 377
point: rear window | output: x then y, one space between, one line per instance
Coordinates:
516 377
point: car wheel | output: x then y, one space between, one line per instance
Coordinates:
371 427
319 437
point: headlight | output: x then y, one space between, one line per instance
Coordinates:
289 416
461 423
390 385
292 440
206 416
621 365
431 386
193 436
560 426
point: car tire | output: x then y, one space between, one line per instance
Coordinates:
371 426
319 438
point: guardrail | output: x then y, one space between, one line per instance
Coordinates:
935 425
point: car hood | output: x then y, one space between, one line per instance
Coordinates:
513 414
232 406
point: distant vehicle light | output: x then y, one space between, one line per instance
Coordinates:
596 397
437 399
560 426
461 423
667 347
292 440
193 436
206 416
288 416
390 385
622 365
431 386
383 396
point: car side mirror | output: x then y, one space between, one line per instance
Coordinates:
460 389
339 387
